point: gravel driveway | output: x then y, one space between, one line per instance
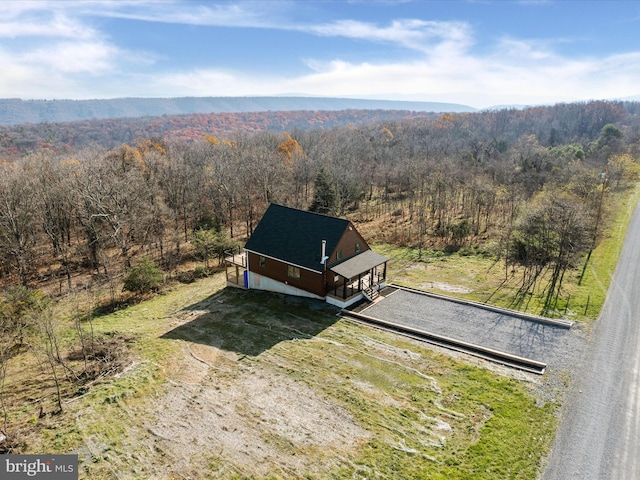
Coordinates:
553 345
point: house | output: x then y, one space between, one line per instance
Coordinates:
308 254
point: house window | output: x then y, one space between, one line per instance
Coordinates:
338 255
262 262
358 247
293 272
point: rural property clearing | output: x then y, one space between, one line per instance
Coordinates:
240 384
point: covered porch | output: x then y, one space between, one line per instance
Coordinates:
358 277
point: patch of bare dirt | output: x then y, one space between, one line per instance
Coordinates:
444 287
252 421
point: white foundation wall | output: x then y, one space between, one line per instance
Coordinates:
344 303
260 282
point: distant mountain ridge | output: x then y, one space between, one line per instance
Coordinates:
15 111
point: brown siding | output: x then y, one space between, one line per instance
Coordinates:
309 281
347 244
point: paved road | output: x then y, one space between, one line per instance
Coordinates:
599 437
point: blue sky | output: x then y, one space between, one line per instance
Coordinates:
479 53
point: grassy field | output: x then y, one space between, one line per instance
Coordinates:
224 383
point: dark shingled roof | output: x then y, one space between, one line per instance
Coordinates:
295 236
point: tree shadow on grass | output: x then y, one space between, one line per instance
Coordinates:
249 322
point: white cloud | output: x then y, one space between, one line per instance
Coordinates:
25 80
524 50
410 33
46 48
414 34
41 19
74 57
199 83
59 26
480 82
224 14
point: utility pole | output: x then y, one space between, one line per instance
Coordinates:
604 175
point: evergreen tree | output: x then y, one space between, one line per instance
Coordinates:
325 199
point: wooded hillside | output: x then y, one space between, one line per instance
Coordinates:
14 111
64 137
525 186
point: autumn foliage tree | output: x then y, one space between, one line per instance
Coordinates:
290 150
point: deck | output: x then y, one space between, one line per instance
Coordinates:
236 268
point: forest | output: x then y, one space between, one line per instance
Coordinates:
65 137
525 186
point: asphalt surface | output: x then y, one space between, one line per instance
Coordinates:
499 331
599 435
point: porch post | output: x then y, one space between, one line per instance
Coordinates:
344 288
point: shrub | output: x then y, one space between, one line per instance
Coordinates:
143 277
201 272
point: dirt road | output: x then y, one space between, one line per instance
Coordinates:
599 437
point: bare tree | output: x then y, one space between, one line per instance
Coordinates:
54 200
46 343
553 233
115 203
18 221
